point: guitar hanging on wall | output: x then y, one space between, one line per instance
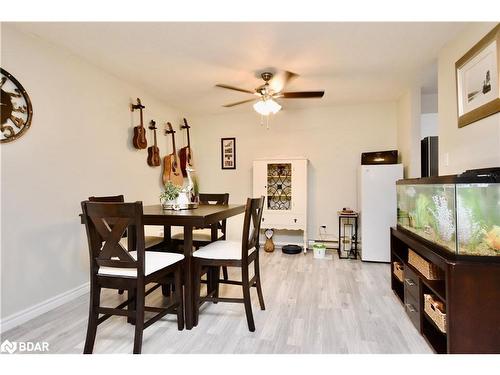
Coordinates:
171 168
185 153
153 151
139 139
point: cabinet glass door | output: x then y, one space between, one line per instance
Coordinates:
279 186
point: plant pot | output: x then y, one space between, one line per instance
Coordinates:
169 205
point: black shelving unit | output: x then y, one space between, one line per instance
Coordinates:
346 220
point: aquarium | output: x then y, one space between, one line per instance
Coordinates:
460 213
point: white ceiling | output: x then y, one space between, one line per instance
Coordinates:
181 62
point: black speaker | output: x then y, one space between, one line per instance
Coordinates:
429 156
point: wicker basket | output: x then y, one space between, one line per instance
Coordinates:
426 268
434 313
398 270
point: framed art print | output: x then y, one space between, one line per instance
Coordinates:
477 75
228 153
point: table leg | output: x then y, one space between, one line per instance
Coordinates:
188 277
167 236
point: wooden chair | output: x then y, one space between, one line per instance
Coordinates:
112 266
149 241
203 236
234 254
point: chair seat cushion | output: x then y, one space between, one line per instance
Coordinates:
227 250
154 261
202 235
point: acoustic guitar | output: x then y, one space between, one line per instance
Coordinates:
171 168
139 139
185 153
153 151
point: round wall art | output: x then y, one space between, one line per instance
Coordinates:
16 110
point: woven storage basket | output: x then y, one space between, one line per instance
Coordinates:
426 268
434 313
398 270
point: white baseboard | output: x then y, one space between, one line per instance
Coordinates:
41 308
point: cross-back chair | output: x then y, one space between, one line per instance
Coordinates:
240 254
132 268
149 241
203 236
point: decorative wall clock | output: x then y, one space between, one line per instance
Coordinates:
16 110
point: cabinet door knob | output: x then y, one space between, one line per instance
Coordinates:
294 220
262 219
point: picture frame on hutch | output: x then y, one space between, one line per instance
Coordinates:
228 153
477 80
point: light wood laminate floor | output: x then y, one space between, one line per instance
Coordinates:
312 306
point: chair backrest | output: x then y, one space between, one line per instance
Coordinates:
251 225
216 199
111 198
105 223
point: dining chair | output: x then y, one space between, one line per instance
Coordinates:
203 236
116 267
238 254
149 241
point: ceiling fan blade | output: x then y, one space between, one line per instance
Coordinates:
288 77
279 81
301 94
241 102
234 88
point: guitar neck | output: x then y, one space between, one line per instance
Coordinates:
154 130
173 146
186 126
142 125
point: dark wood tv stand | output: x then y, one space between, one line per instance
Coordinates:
470 291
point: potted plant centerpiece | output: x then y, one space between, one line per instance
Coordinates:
168 197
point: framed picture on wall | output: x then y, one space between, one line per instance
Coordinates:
477 72
228 153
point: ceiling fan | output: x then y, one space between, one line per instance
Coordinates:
270 90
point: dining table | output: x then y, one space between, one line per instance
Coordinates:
204 216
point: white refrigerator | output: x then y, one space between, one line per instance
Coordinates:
377 203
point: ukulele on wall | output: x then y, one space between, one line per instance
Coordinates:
139 139
171 168
185 153
153 151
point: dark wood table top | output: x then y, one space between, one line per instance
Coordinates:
202 216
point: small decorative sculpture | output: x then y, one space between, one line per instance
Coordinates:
269 245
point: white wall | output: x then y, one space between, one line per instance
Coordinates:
428 125
332 138
79 145
429 103
476 145
409 112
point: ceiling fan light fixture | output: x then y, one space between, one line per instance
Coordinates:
266 107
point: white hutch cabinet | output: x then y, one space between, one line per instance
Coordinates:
283 182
